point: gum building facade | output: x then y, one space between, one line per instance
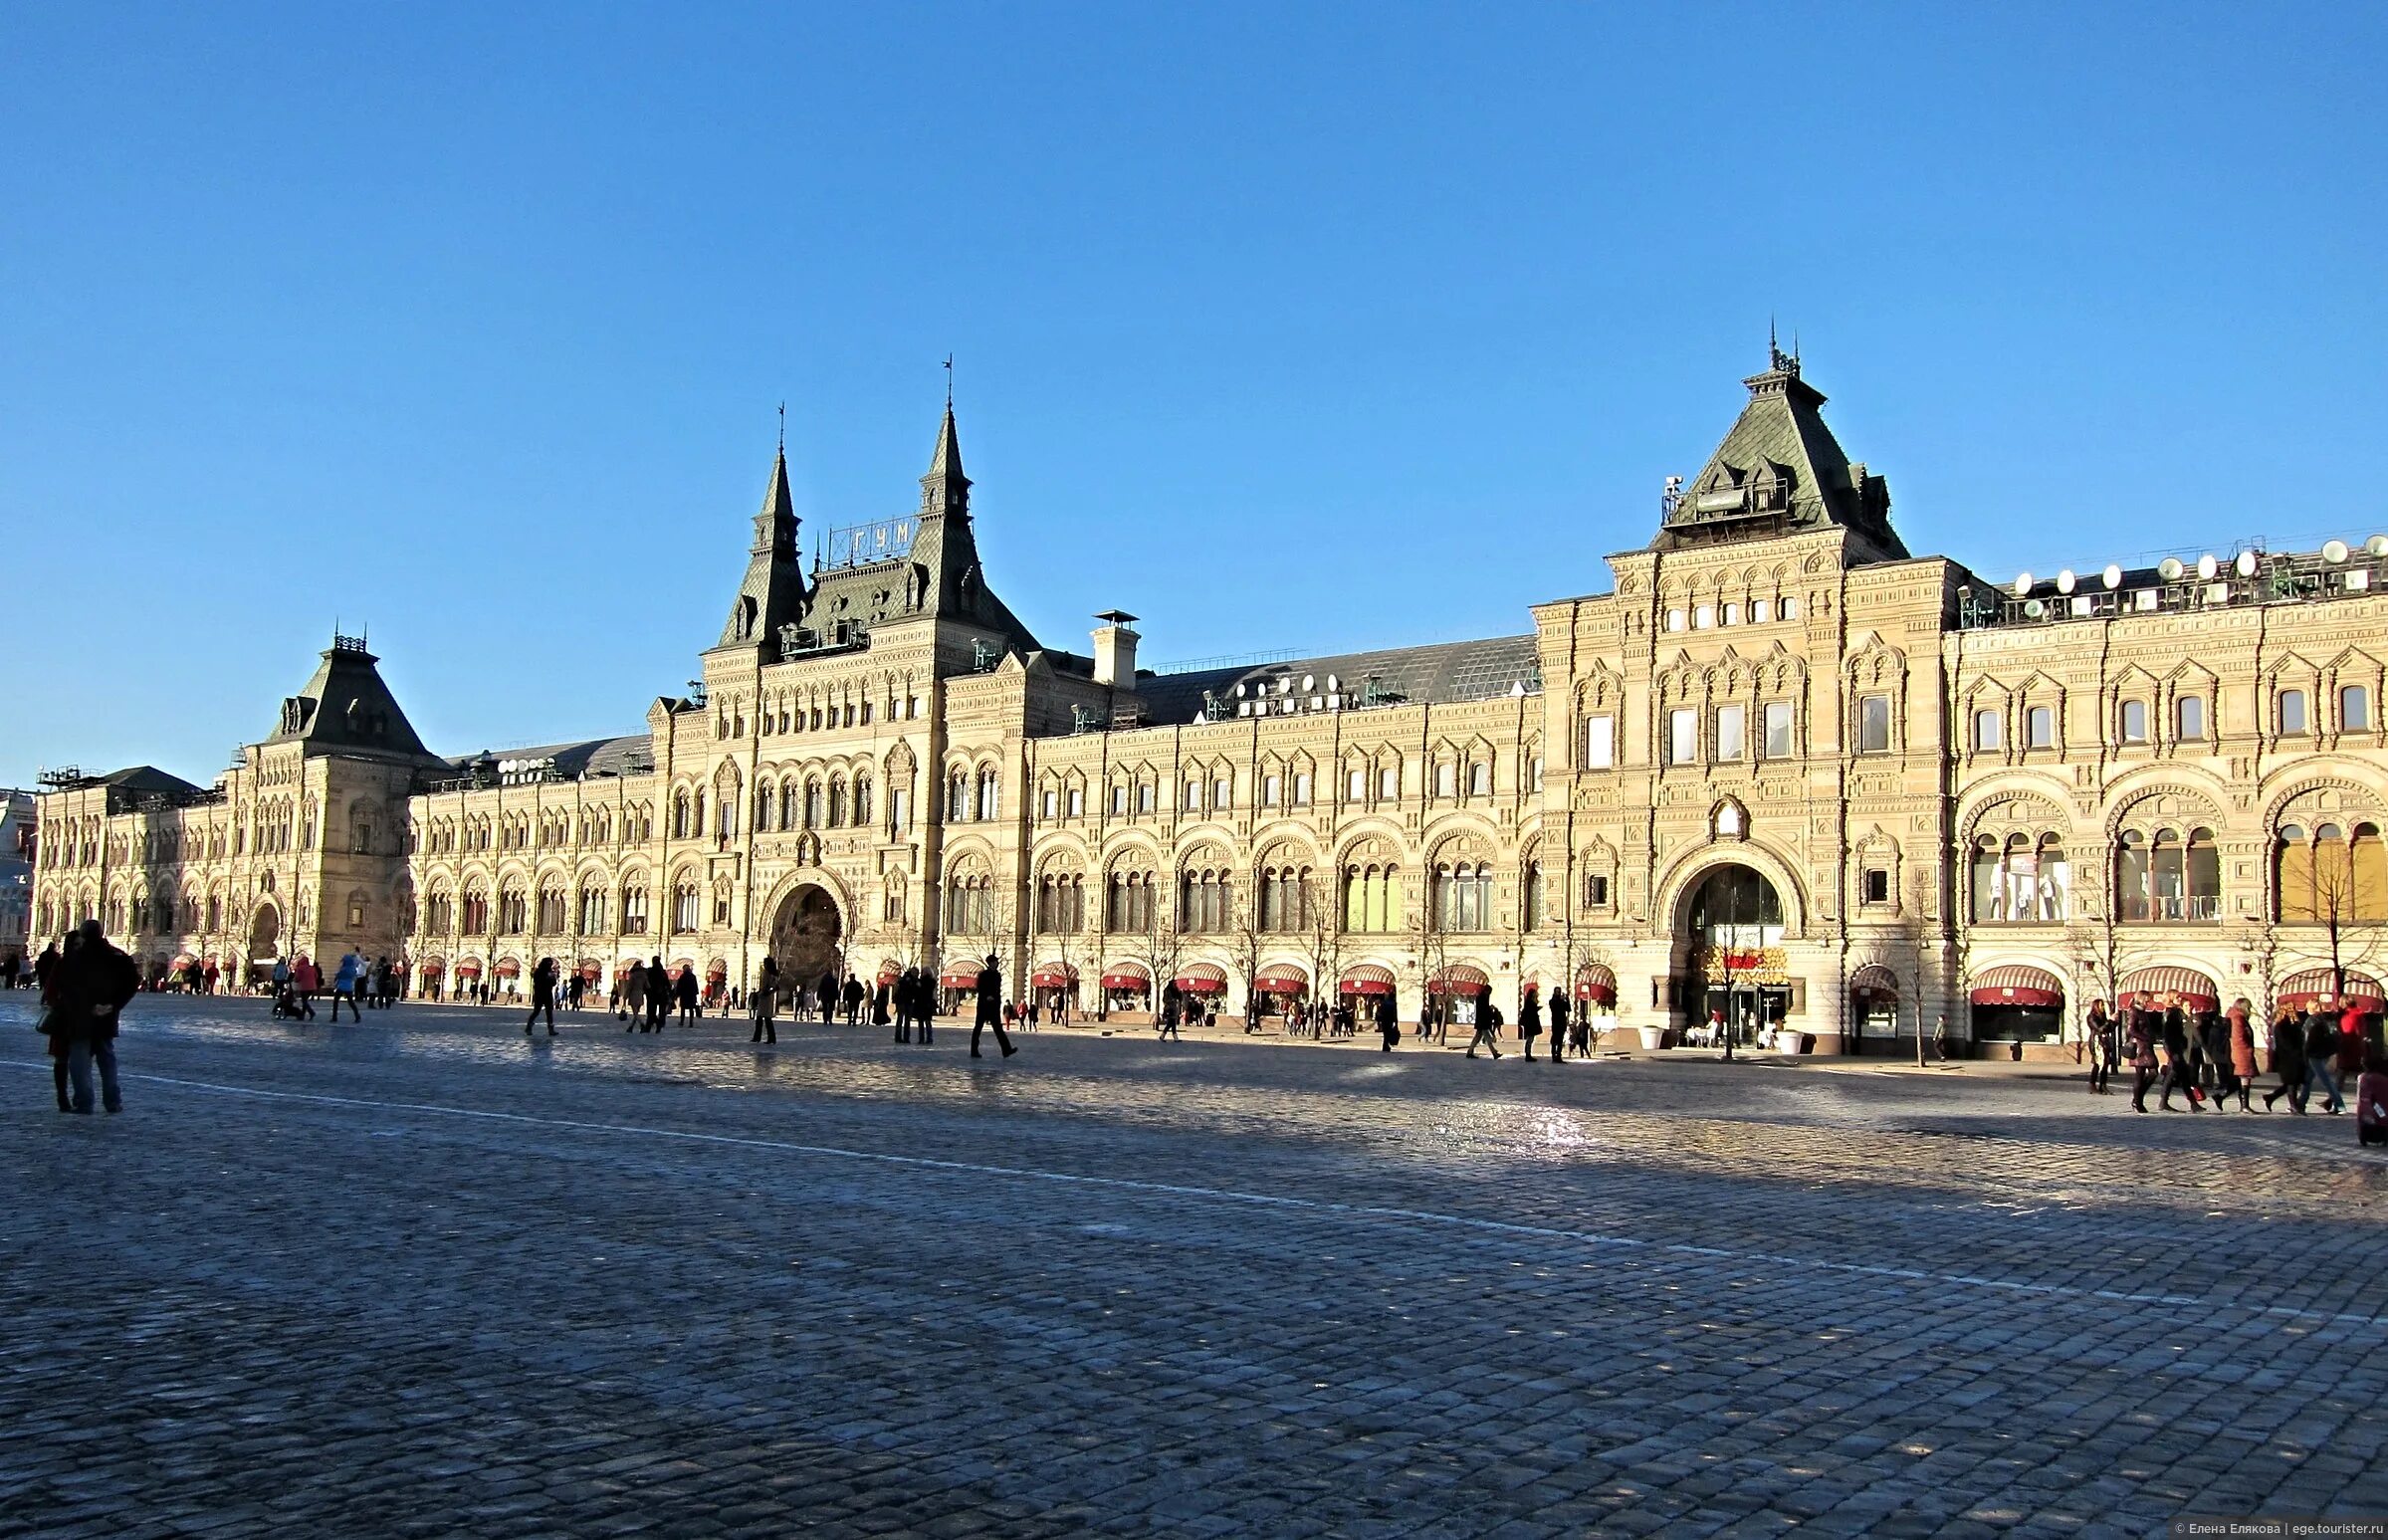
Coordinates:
1782 770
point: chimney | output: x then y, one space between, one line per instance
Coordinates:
1114 651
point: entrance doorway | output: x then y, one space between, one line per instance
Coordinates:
806 937
265 933
1739 981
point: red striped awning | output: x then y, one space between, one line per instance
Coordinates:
2317 987
510 967
1597 983
1202 979
716 968
2151 986
467 969
890 972
959 979
1459 979
2017 983
1127 975
590 968
1281 979
1054 975
1365 979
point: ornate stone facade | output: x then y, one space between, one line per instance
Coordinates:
1782 769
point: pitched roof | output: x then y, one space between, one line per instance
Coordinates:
632 754
142 780
1779 471
344 708
1438 674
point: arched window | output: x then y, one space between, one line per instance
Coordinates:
862 801
2331 877
787 803
1462 897
1284 898
2133 887
762 805
513 911
550 910
684 905
1372 898
1129 904
634 908
957 797
476 910
680 815
990 794
837 801
814 804
592 911
1203 901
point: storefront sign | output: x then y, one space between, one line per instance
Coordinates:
1746 965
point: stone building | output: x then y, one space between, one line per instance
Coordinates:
1780 771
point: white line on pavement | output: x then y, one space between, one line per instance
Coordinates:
1277 1201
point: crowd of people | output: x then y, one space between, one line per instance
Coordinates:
2207 1057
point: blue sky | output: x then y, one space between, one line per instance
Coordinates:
1296 326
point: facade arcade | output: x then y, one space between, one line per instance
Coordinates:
1781 771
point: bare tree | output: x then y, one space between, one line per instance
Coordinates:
1320 935
2347 910
1922 883
1159 945
1433 954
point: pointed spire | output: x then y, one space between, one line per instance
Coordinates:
777 522
945 490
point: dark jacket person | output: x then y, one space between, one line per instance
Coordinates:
94 984
989 989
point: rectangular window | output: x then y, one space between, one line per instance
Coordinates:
1480 780
1223 794
1077 801
1676 619
1356 786
1301 790
2040 724
1989 730
1446 779
1878 885
1728 614
1703 616
1682 736
899 809
2354 710
1270 785
1788 609
1118 800
1760 611
1193 795
1144 794
2134 722
2189 718
1052 802
1389 783
1873 724
1595 892
1774 719
1729 720
1534 774
1600 742
2292 711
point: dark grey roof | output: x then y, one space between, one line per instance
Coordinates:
346 708
1779 471
140 780
1437 675
631 756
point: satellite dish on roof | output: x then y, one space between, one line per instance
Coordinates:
2207 566
2034 607
2377 546
1332 684
2334 551
2111 576
2245 563
2022 584
2065 581
2169 570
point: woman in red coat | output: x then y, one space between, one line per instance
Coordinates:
2243 1056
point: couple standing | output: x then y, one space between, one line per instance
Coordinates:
82 991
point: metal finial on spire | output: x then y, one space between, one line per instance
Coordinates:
784 427
949 383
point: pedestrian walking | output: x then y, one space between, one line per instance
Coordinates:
542 995
1166 1027
95 983
634 998
2214 1046
1561 1042
765 1003
1529 1023
2178 1074
2322 1053
659 994
2098 1028
882 1006
990 1013
1389 1021
923 1006
906 981
853 995
1488 1029
2143 1059
690 1009
53 1025
344 987
2287 1061
2243 1053
306 981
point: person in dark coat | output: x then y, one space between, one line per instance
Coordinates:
2143 1059
60 1042
689 1009
95 985
2214 1040
990 1008
659 994
2287 1061
1559 1038
853 997
765 1003
2100 1028
907 983
1529 1023
2179 1074
542 995
882 1001
2322 1053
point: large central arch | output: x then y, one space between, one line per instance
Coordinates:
1732 919
265 934
807 935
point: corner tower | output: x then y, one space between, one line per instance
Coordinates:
772 592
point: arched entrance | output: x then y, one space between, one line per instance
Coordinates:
806 934
265 934
1738 973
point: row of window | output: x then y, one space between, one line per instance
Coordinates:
2189 719
1459 899
1700 617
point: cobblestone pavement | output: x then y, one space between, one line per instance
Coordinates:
422 1278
